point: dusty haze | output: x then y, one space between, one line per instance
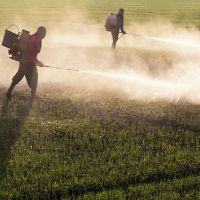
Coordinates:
163 64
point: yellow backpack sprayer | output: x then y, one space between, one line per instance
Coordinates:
15 42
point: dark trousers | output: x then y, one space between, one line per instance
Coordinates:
28 70
115 34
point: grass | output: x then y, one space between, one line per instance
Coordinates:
52 12
100 147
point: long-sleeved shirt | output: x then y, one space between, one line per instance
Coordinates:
120 22
33 48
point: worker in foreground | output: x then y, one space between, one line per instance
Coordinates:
114 23
28 63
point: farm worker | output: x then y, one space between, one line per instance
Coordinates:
28 63
119 26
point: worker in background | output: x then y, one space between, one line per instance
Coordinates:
115 23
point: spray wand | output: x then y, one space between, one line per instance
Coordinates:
61 68
133 34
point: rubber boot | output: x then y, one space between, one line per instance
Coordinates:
10 89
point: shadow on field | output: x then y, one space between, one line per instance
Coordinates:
174 124
160 121
10 127
153 178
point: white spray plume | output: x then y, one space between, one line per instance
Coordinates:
164 64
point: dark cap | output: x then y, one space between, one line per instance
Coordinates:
121 11
41 29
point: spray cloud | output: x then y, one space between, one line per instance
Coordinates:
163 64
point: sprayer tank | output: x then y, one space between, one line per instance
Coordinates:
9 39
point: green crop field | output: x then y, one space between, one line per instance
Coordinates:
75 143
51 11
98 147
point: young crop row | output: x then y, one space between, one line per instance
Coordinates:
98 147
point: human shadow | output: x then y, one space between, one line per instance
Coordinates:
11 124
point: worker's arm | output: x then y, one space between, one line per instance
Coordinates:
39 46
121 24
38 49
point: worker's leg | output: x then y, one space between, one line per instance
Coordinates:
32 79
34 83
15 80
115 38
115 34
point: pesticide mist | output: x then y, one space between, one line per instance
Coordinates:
159 63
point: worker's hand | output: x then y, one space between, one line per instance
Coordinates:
40 64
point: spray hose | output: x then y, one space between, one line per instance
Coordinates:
121 36
61 68
133 34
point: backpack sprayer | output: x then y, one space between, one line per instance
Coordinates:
111 22
15 42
